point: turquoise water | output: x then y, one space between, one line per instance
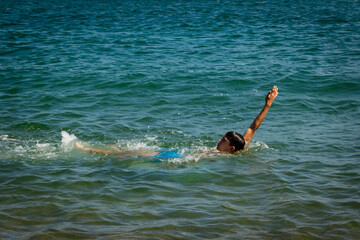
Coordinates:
177 75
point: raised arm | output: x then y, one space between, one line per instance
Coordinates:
258 120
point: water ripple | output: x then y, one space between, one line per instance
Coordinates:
175 76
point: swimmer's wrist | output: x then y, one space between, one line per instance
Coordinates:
268 105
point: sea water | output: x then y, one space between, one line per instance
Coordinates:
176 75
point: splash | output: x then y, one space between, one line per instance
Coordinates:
258 145
12 148
67 141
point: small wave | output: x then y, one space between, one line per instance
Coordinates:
258 145
30 126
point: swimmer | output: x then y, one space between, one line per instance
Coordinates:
231 142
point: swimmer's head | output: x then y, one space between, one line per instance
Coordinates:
231 142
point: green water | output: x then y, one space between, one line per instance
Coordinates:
176 76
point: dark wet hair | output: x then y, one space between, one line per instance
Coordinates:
236 140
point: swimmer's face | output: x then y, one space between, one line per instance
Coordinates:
224 146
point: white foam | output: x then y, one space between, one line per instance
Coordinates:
67 141
6 138
258 145
42 145
151 138
137 145
19 149
45 148
192 158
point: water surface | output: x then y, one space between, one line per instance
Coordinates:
177 75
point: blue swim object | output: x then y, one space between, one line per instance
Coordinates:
164 154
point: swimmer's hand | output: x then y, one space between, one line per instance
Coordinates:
271 96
